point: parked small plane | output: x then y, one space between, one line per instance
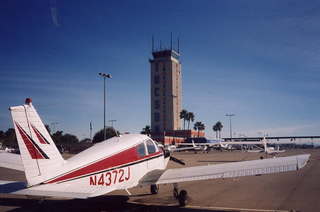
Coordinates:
174 148
118 163
266 149
270 150
206 145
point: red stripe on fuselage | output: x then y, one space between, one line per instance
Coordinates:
124 157
34 153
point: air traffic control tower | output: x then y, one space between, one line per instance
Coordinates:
165 91
166 97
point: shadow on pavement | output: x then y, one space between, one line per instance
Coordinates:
217 161
103 203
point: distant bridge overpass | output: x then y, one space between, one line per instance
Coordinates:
280 139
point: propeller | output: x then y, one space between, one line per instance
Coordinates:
167 153
177 160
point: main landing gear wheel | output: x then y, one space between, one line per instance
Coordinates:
154 189
183 198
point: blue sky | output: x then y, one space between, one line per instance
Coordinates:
256 59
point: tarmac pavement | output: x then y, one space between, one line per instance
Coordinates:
290 191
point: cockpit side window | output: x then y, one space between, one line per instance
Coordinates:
151 147
141 150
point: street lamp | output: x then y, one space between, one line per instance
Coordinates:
112 121
53 126
230 115
104 101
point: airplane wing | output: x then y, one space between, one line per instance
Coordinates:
11 161
228 170
179 149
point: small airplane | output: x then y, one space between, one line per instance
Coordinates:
210 144
174 148
8 149
119 163
270 150
266 149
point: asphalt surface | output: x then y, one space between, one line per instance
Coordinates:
290 191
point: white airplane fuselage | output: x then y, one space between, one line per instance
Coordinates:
111 165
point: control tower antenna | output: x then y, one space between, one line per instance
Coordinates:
152 43
178 45
171 41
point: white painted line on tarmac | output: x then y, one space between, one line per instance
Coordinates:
155 204
209 207
233 209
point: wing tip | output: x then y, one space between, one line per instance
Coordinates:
302 160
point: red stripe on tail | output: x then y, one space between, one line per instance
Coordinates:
34 152
40 137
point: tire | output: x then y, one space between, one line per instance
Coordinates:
154 189
183 197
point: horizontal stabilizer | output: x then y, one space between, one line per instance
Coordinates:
11 161
19 188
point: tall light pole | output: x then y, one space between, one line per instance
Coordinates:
112 121
53 126
90 131
230 115
104 102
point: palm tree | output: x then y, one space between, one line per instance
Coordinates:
219 126
199 126
183 115
215 129
190 118
146 130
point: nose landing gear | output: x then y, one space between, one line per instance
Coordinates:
181 196
154 189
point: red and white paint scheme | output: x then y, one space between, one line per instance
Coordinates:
118 163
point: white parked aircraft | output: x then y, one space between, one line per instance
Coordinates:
205 146
270 150
266 149
174 148
117 163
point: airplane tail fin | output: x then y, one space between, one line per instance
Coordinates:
265 144
193 144
39 154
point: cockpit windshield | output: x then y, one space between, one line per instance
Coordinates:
151 147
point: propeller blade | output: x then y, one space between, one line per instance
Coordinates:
177 160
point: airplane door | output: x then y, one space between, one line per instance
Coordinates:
151 148
141 151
